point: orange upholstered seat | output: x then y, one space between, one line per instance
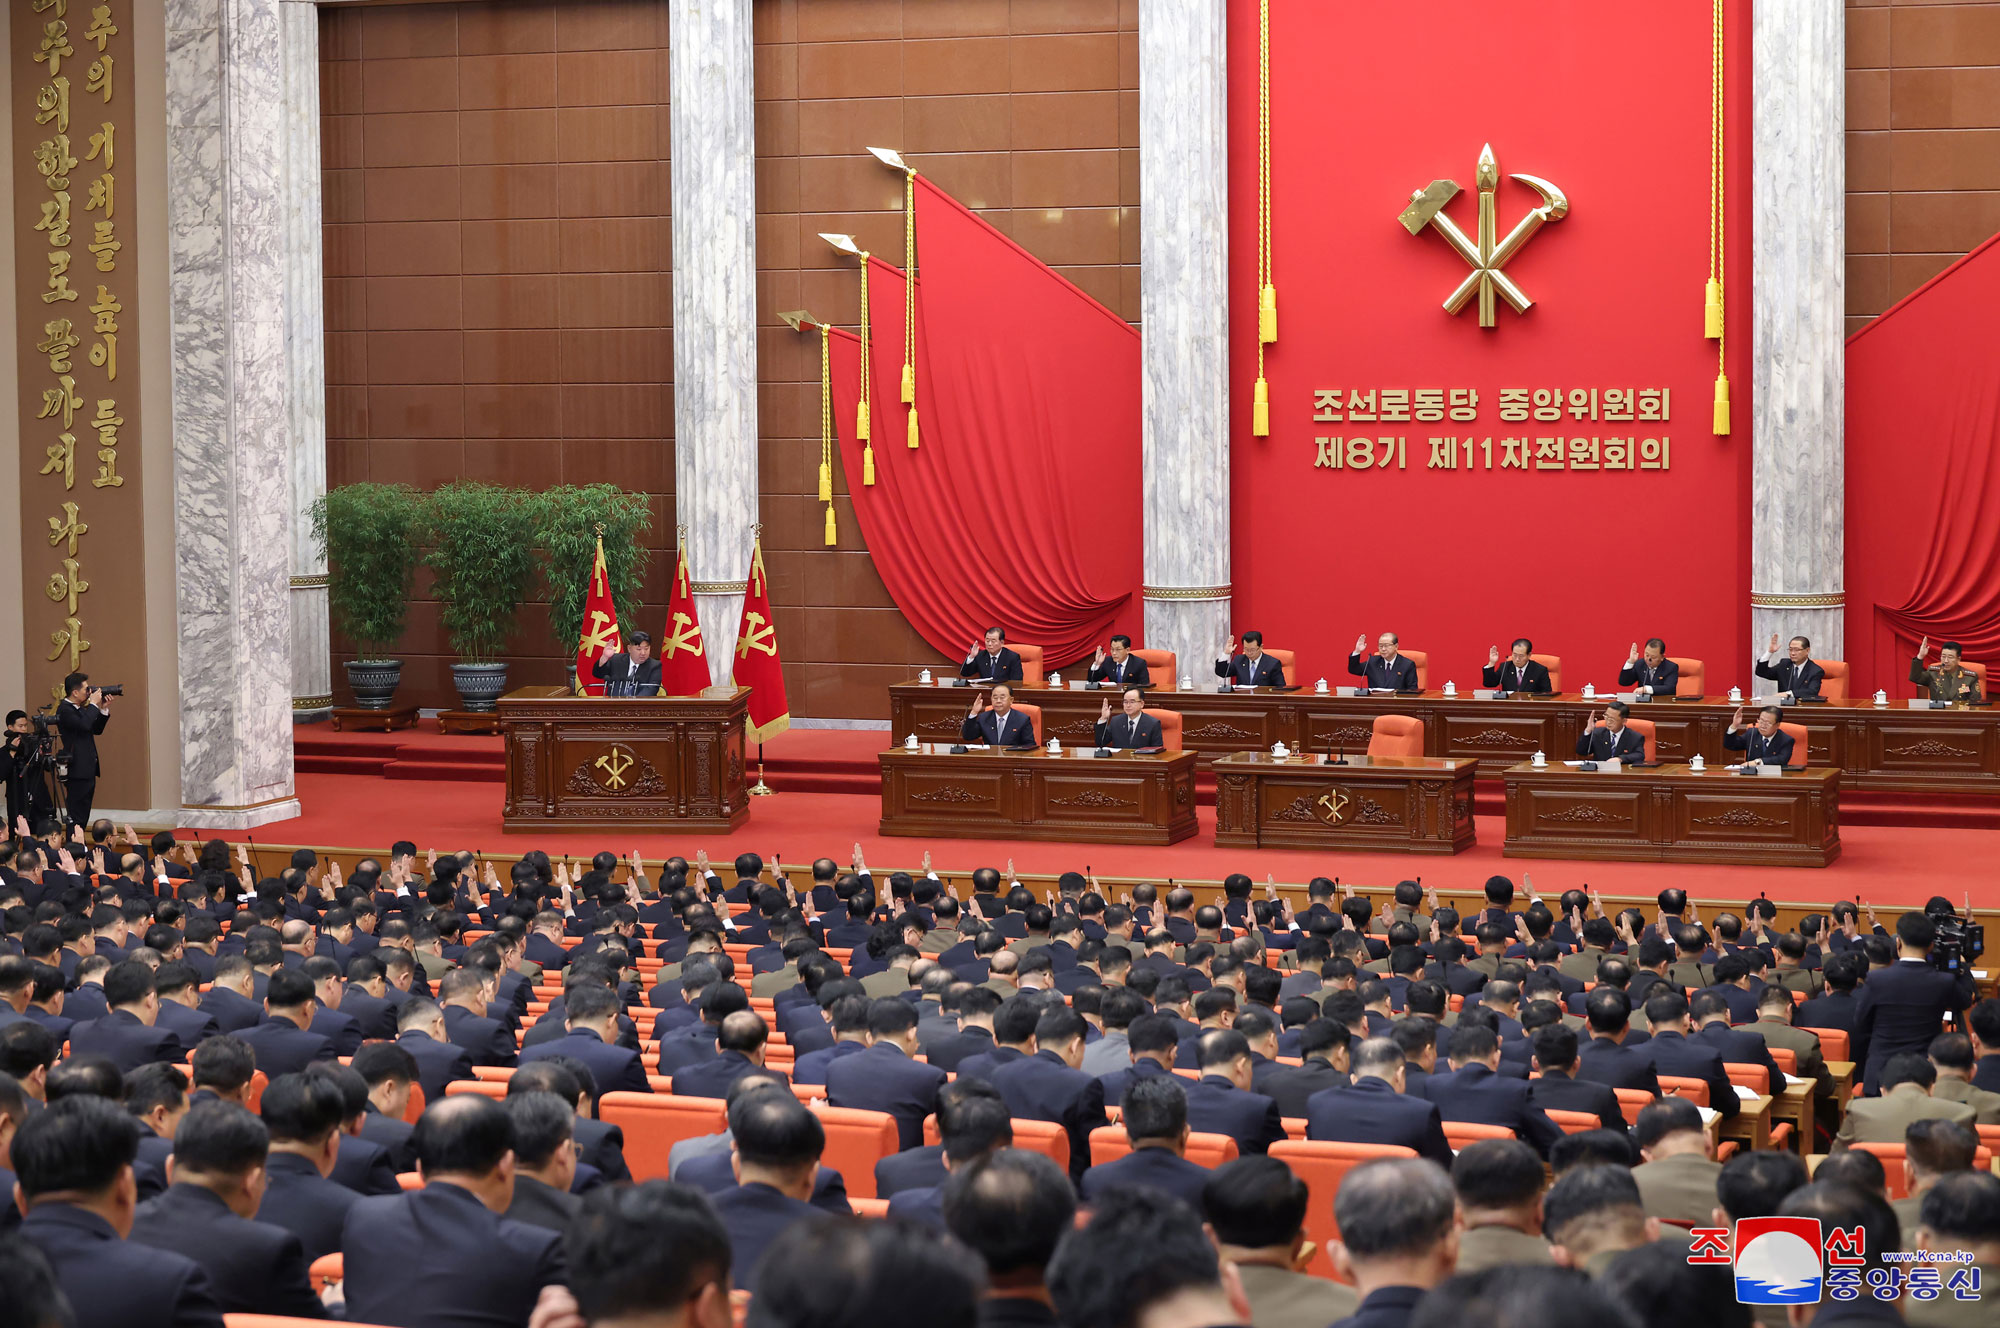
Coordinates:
1396 735
1034 714
1646 729
1108 1143
1321 1166
1834 686
1694 676
1554 664
1799 753
654 1122
1170 728
1422 659
855 1141
1162 666
1288 661
1031 663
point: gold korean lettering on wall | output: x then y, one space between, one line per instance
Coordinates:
1643 445
81 515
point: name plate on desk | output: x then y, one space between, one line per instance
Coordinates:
1632 698
1350 691
1925 703
1487 694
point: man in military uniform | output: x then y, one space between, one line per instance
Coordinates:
1948 680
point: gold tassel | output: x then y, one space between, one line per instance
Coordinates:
913 427
1260 412
909 384
831 537
1711 311
1721 404
1267 315
861 417
825 482
868 465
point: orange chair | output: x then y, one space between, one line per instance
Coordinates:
480 1087
1295 1127
1031 664
1833 1043
1632 1101
807 1092
1787 1059
855 1142
1396 735
1463 1134
327 1268
1554 664
868 1207
1034 714
1892 1165
653 1123
1834 686
1694 1090
413 1109
253 1095
1422 659
1035 1136
1170 728
410 1180
1648 730
1163 667
1288 661
1321 1166
1574 1122
1800 745
276 1321
1694 676
1108 1143
500 1072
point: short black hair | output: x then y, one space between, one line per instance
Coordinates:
288 988
973 1119
1908 1067
1011 1208
1394 1206
225 1061
76 1076
1587 1191
1255 1202
1854 1167
128 982
34 1298
220 1139
377 1062
1846 1207
467 1135
1964 1207
1497 1173
300 1108
155 1085
643 1248
1939 1147
1755 1184
1665 1116
1154 1107
1657 1284
80 1143
1139 1248
542 1123
1530 1296
888 1273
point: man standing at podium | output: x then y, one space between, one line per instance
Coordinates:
1652 674
1131 728
1763 744
998 724
1519 674
994 662
1386 670
1121 666
634 673
1798 678
1950 680
1611 740
1252 668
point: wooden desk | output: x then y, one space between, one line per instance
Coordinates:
1751 1124
1887 749
1398 804
992 793
615 763
1673 814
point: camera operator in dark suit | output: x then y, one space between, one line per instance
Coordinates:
634 673
81 716
27 789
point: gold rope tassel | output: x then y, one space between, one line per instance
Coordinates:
832 536
862 404
1267 291
1711 309
910 299
909 384
1267 315
1721 404
868 466
1260 410
825 482
826 429
913 428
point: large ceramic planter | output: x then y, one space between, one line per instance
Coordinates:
374 681
479 685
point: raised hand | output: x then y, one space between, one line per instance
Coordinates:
1736 720
1493 657
1011 877
1097 658
1590 720
701 861
21 827
1270 886
1534 896
1230 649
860 867
1431 897
1596 901
431 861
1346 891
1633 658
1774 643
1361 644
927 862
1104 712
1923 647
978 708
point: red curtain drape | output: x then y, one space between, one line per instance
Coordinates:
1923 474
1022 506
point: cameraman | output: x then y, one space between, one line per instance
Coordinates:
27 788
1903 1006
81 717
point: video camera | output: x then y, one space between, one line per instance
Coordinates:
1959 942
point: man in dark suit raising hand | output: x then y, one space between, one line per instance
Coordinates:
1132 726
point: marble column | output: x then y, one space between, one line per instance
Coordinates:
712 145
226 238
1184 320
305 348
1798 264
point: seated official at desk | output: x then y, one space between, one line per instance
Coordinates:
998 724
1611 740
1120 666
1798 678
1519 673
633 673
1949 680
1762 744
1386 668
992 662
1650 674
1252 668
1132 727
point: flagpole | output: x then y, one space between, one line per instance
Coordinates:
760 789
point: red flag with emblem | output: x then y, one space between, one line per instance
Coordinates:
757 664
683 662
600 627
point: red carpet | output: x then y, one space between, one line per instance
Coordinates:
1890 866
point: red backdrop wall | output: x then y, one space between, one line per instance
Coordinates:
1611 104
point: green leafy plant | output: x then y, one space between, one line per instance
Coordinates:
368 534
480 544
566 528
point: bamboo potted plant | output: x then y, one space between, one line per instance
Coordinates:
567 519
480 546
367 533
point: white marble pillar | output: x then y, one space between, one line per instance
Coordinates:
1184 320
712 146
1798 265
226 237
305 347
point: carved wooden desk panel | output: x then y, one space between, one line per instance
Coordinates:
1386 804
1124 798
1673 814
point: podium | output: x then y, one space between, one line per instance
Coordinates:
621 763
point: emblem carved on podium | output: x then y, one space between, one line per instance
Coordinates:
619 772
1331 806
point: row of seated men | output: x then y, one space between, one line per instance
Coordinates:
1608 1225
